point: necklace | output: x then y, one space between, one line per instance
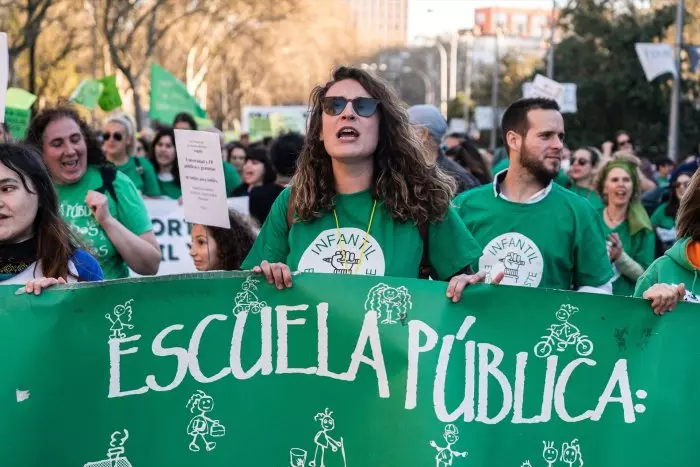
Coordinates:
613 221
364 242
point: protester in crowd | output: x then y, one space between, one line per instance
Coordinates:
184 121
98 202
432 127
536 231
257 170
117 137
284 153
468 156
454 139
236 157
37 249
631 240
5 135
673 277
163 156
583 171
664 169
623 142
245 140
365 199
141 149
231 178
646 182
504 162
664 217
219 249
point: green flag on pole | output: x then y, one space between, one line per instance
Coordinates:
109 99
88 93
169 97
18 111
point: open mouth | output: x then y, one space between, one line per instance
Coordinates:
70 165
347 134
3 217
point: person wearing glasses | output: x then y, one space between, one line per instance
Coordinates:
364 198
101 204
583 171
118 145
664 217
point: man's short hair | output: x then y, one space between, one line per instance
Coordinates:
285 151
515 117
185 118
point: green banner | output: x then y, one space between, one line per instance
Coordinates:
224 370
109 98
169 97
88 93
18 111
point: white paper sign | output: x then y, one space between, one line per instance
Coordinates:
656 59
4 73
545 87
202 178
483 116
567 103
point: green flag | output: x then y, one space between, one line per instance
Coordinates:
88 93
222 369
18 111
109 99
169 97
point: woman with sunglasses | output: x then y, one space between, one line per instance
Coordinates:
664 217
163 155
100 203
582 174
118 144
364 197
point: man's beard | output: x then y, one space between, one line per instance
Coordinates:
537 168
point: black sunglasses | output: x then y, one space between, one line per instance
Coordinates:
578 161
117 136
363 106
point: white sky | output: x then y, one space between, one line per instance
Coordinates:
450 15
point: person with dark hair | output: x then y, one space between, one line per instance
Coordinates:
584 165
674 276
535 231
184 121
5 135
245 140
219 249
236 156
664 217
432 127
141 148
163 156
98 202
664 169
628 230
257 170
365 199
468 156
623 142
36 246
117 144
454 139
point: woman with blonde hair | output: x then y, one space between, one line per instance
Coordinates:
364 198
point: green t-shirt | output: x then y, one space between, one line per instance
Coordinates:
170 189
129 210
143 175
231 178
641 247
556 242
664 225
562 179
392 248
590 195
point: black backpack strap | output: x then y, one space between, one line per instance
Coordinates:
108 174
290 208
425 269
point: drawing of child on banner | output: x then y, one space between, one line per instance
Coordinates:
332 452
386 300
446 455
120 320
201 426
115 452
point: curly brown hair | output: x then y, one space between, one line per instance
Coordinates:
234 244
411 188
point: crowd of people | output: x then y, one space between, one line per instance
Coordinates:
372 188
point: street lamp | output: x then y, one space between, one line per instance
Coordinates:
427 83
494 92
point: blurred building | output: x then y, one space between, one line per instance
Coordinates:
380 24
514 22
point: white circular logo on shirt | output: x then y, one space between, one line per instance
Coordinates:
516 256
325 255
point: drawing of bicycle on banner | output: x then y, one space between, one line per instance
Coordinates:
563 335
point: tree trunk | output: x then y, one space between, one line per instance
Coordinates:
138 112
32 65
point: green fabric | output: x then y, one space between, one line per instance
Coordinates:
169 97
561 179
661 182
616 376
110 98
392 249
146 182
660 219
129 211
672 268
640 246
170 189
88 93
555 243
18 104
231 177
590 195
